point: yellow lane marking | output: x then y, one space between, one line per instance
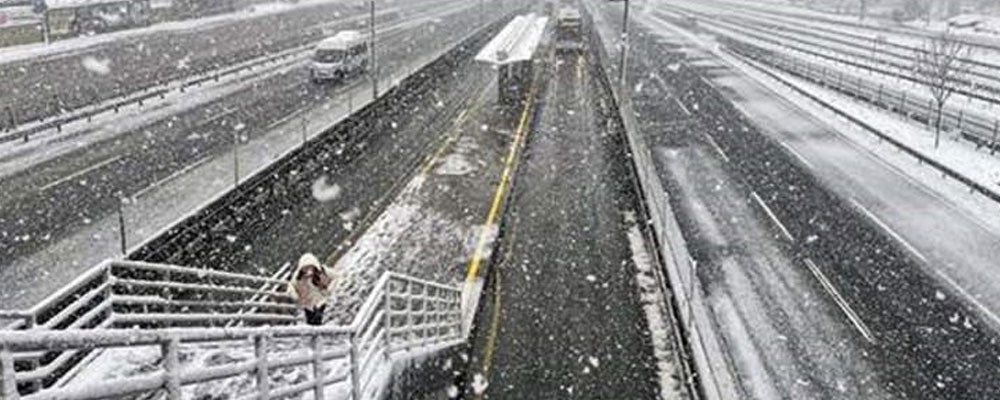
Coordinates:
477 255
491 339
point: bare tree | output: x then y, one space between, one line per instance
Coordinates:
940 66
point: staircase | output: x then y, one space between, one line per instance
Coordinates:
215 331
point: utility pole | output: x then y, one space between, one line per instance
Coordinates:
624 52
121 224
40 7
46 32
236 158
374 70
305 128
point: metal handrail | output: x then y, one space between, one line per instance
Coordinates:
370 339
106 297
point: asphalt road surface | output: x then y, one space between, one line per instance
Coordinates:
909 334
781 336
569 323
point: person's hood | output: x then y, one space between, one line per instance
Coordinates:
308 259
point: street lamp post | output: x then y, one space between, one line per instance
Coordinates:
236 158
123 239
374 69
624 52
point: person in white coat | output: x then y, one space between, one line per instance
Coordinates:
310 285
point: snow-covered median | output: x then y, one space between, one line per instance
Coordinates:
654 307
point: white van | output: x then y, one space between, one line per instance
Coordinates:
339 56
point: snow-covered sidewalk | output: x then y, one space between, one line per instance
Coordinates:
429 228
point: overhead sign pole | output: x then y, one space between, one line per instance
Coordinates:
624 51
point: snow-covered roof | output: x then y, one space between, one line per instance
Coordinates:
516 42
341 41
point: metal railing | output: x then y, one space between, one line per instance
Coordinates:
401 315
117 294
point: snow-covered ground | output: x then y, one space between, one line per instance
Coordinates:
130 362
429 228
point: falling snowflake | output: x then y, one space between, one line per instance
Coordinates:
479 384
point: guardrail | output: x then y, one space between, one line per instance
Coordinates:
973 127
23 130
969 40
665 233
401 316
882 97
980 73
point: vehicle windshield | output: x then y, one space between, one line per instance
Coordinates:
502 199
329 56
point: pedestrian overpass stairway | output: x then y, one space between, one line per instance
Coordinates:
205 331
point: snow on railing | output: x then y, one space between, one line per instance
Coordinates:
402 314
129 294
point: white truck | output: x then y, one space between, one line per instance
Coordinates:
339 56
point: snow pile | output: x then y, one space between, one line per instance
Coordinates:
653 306
324 192
404 238
455 164
125 362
